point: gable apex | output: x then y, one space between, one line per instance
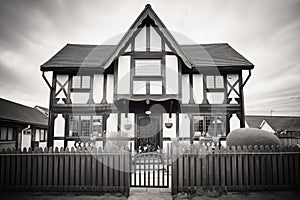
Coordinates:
170 40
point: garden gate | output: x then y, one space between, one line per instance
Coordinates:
151 169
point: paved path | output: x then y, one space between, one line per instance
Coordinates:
150 194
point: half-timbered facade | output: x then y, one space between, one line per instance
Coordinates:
148 88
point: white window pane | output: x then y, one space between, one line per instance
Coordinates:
210 82
85 81
10 133
139 87
3 133
140 40
155 87
76 82
149 67
155 40
219 82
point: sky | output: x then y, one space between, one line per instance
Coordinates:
266 32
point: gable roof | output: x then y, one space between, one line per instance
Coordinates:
93 56
278 123
148 11
99 57
11 111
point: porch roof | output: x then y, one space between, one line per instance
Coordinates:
74 56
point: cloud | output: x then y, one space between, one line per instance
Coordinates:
264 31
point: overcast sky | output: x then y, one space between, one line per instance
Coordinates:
266 32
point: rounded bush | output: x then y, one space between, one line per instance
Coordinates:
251 136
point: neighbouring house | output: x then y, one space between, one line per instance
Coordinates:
287 128
21 126
149 87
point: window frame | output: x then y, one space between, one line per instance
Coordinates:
14 130
149 78
214 89
90 126
206 127
81 89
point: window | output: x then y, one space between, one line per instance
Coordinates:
7 134
150 67
208 126
80 90
85 126
148 77
81 82
214 82
215 89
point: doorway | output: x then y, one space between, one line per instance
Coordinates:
148 134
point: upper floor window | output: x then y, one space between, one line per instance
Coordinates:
214 81
148 77
150 67
215 89
81 82
81 89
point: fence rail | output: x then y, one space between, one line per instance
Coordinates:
236 169
91 170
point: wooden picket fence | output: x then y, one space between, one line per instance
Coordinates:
91 170
236 169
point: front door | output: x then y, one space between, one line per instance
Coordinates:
148 137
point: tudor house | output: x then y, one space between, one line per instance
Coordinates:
148 86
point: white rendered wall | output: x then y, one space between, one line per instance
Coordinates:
129 120
185 89
110 88
59 126
169 132
124 75
98 88
171 75
184 125
198 88
111 124
234 122
26 140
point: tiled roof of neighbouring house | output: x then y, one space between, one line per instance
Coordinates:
278 123
201 55
11 111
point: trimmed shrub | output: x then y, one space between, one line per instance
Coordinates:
251 136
